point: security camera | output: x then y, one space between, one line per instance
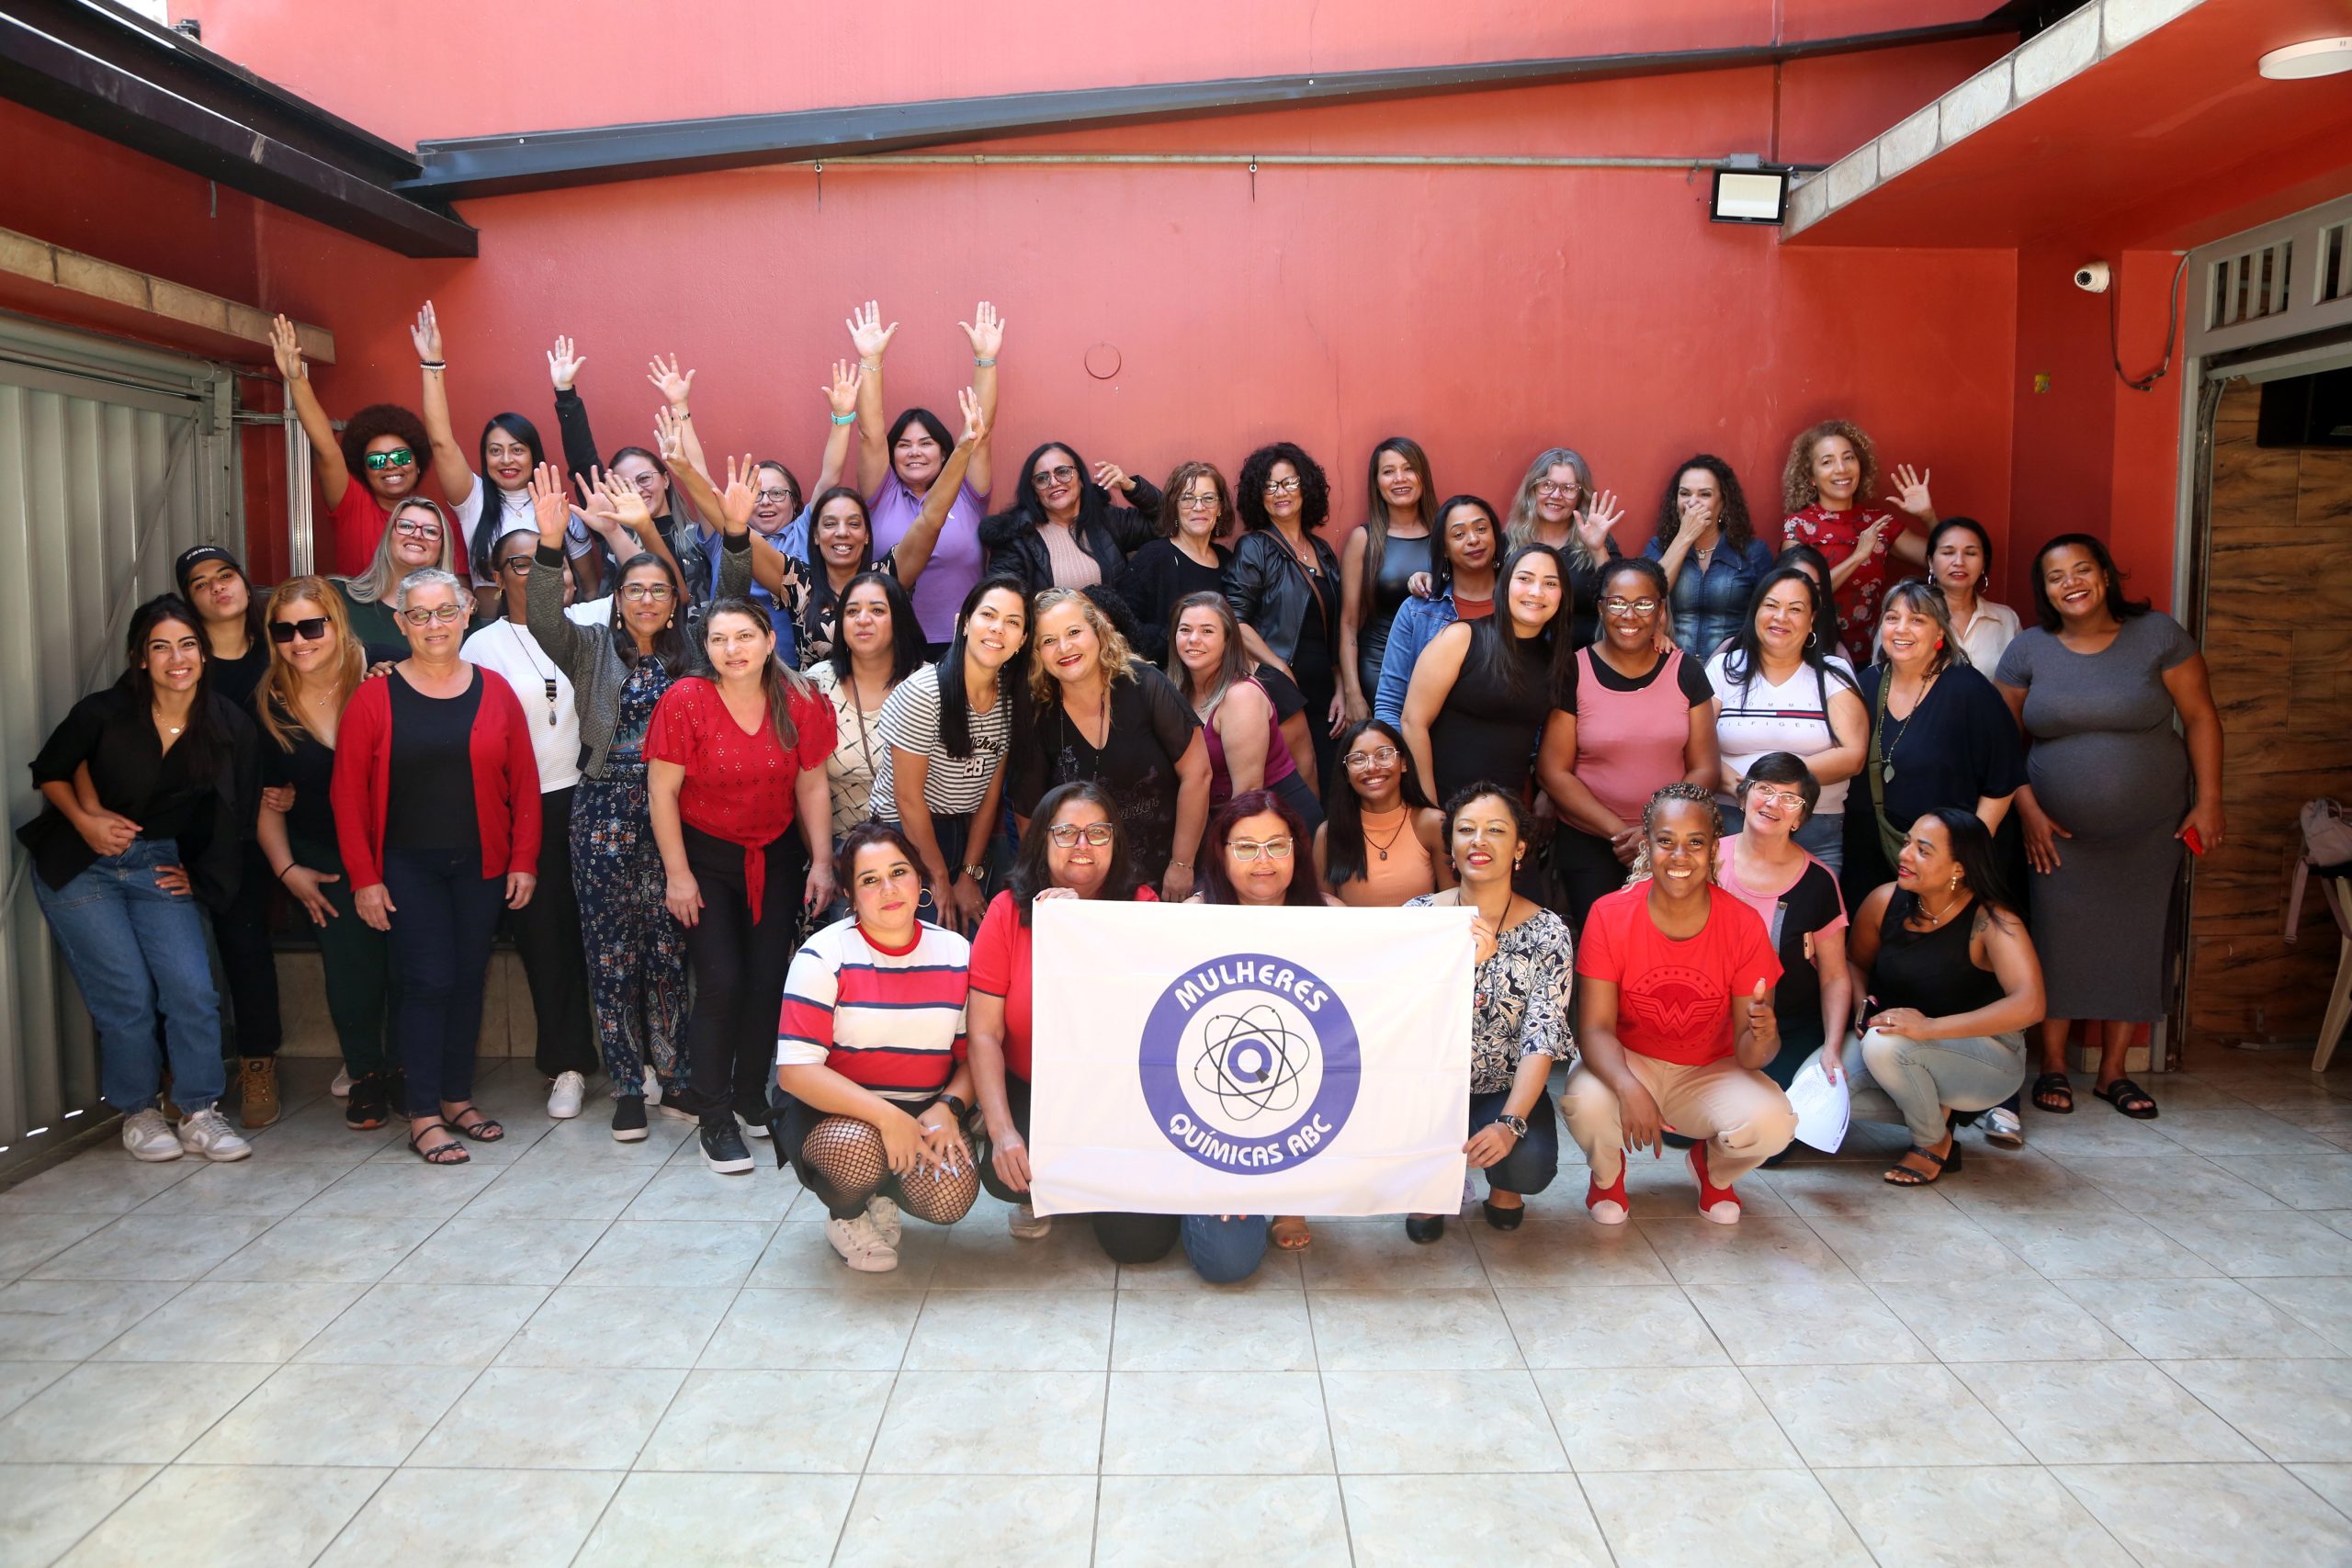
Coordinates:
2091 277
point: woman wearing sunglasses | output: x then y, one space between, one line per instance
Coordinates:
367 468
315 664
418 538
1071 526
436 809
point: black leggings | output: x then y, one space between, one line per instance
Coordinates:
1126 1238
555 960
739 966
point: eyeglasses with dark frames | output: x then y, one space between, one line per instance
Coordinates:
309 628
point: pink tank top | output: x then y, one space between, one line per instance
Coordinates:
1278 763
1630 744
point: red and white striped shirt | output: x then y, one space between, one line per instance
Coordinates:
890 1021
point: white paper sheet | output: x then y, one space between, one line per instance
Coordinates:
1823 1107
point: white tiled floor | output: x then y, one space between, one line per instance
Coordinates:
2129 1343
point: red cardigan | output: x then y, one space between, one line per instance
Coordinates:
506 781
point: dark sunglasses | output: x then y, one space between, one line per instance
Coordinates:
309 628
398 457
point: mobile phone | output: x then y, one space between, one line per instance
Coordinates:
2195 842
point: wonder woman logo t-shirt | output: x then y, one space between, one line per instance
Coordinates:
1674 999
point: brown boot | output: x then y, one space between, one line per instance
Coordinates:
260 1091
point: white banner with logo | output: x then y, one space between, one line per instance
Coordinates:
1196 1060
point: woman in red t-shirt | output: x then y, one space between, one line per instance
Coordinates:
1675 1019
731 761
1827 487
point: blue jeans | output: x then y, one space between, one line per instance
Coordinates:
137 951
445 913
1223 1252
1535 1160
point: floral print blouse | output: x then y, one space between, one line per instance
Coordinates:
1519 997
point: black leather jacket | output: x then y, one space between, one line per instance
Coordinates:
1108 533
1267 589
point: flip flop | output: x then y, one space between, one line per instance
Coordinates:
2121 1090
2049 1084
1291 1234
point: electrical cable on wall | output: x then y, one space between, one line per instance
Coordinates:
2172 332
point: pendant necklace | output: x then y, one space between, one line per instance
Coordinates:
1384 849
546 676
1886 768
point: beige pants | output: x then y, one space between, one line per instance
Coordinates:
1742 1114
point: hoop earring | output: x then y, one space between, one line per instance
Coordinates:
923 901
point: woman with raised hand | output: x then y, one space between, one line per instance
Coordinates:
2108 803
1796 896
1626 720
1195 513
1461 588
1777 689
1827 487
120 877
1482 691
636 952
1214 673
1064 530
870 1055
783 516
315 665
879 645
1675 1019
897 469
1257 857
1960 564
418 538
1708 548
1556 505
1283 585
1100 713
948 731
1949 983
1396 545
437 808
1381 843
1519 1021
545 930
364 470
733 759
1939 735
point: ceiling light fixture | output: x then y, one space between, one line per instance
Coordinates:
2314 57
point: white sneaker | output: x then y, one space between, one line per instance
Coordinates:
1025 1226
149 1137
652 1086
207 1133
861 1246
882 1213
2002 1129
565 1095
341 1088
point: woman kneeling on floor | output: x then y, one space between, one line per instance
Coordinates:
870 1055
1952 983
1675 1019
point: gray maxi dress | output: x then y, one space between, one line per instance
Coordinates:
2107 766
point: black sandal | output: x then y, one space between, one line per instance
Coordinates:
481 1129
2052 1093
2143 1106
1903 1176
450 1153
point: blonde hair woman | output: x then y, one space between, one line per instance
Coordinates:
419 535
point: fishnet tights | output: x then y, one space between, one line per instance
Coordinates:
848 1158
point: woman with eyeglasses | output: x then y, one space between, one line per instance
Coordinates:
1480 695
418 538
636 953
1556 505
1796 896
1519 1007
1627 720
1461 588
364 470
1283 585
871 1057
1707 546
1826 490
1194 515
120 875
1675 1019
1382 843
897 467
1064 530
315 664
1258 856
1396 545
546 930
1778 689
436 810
1239 721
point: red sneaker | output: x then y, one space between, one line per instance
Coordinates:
1607 1205
1720 1204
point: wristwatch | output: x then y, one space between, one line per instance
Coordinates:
956 1106
978 873
1518 1125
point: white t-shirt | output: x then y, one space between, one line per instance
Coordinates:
1759 718
518 518
515 654
955 785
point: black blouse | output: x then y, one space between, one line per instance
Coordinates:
1151 725
309 768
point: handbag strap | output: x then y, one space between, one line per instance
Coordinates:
1890 843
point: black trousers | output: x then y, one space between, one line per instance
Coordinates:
445 912
547 937
739 966
1124 1239
249 958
